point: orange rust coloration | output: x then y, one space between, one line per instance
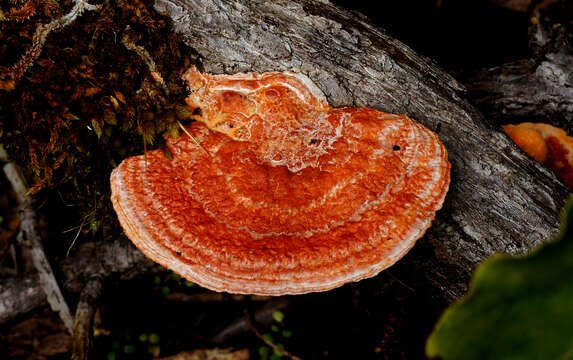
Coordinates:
547 144
296 197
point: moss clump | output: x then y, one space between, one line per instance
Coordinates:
88 102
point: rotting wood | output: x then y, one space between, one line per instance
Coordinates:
499 201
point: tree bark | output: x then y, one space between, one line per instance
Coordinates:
499 200
535 90
83 320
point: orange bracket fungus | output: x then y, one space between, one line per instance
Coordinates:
295 196
547 144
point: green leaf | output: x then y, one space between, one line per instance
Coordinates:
517 307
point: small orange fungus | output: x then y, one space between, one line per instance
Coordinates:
547 144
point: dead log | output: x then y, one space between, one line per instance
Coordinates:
499 201
537 90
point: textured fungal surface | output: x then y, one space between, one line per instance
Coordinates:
296 196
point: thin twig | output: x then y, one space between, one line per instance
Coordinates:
29 236
283 352
263 315
148 60
79 228
19 69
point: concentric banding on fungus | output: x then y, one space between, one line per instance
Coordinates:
221 252
337 207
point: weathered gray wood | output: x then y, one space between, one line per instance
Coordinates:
29 237
117 260
527 90
83 320
20 295
499 199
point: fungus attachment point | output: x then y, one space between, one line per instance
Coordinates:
297 196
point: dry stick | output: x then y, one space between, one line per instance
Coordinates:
283 352
19 69
148 60
83 322
29 237
77 233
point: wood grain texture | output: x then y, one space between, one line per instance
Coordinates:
538 89
500 200
528 90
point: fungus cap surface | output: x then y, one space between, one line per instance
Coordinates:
297 196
